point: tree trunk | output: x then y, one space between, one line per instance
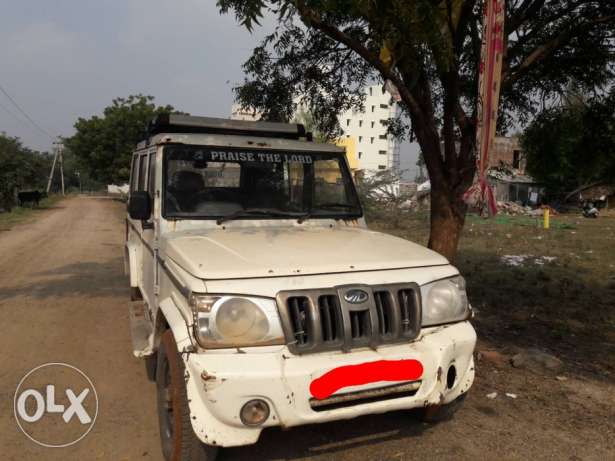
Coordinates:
447 218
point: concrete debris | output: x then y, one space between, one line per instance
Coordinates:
513 209
536 212
511 395
519 260
535 358
514 260
494 357
541 260
492 396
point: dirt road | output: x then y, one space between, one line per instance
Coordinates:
63 298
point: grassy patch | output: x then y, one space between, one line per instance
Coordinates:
24 214
564 302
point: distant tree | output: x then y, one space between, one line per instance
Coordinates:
104 144
22 169
572 147
325 51
420 176
382 197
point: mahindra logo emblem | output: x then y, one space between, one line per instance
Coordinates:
356 296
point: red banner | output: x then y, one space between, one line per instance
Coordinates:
490 75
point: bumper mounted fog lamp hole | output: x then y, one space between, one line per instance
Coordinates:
254 413
451 377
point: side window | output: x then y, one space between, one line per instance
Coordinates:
133 173
328 183
142 171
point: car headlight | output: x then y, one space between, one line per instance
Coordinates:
234 321
445 301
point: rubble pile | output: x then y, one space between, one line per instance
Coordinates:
512 208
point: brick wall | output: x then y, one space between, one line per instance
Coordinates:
508 151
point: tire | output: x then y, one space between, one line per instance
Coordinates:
151 361
179 442
439 413
135 294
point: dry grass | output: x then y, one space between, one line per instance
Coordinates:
566 305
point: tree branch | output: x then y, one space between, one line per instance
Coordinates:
545 50
580 189
313 19
527 9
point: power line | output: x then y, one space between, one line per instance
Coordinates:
36 125
11 113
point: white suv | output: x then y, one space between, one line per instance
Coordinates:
265 299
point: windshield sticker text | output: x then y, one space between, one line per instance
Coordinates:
264 157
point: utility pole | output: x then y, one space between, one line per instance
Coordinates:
62 166
53 166
58 148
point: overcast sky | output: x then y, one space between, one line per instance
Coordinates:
65 59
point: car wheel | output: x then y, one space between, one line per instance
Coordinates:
439 413
179 442
150 366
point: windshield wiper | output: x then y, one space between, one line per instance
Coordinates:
321 206
255 212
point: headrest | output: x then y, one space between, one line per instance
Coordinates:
188 181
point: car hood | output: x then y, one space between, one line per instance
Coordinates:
273 252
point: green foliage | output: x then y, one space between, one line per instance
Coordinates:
22 169
572 145
306 118
434 48
104 144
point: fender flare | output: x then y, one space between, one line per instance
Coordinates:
177 324
130 264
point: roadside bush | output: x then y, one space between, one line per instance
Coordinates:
22 168
382 199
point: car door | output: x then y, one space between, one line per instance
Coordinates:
148 228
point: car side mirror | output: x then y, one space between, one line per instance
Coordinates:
139 205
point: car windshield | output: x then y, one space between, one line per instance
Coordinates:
209 182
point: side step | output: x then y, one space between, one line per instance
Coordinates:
140 330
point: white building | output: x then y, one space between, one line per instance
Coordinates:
375 149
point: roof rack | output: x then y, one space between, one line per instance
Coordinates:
178 123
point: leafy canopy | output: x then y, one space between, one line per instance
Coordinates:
22 169
324 50
573 145
105 144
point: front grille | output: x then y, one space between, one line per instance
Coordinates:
330 318
384 307
338 319
360 326
299 311
407 307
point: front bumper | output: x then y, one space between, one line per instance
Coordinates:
220 383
